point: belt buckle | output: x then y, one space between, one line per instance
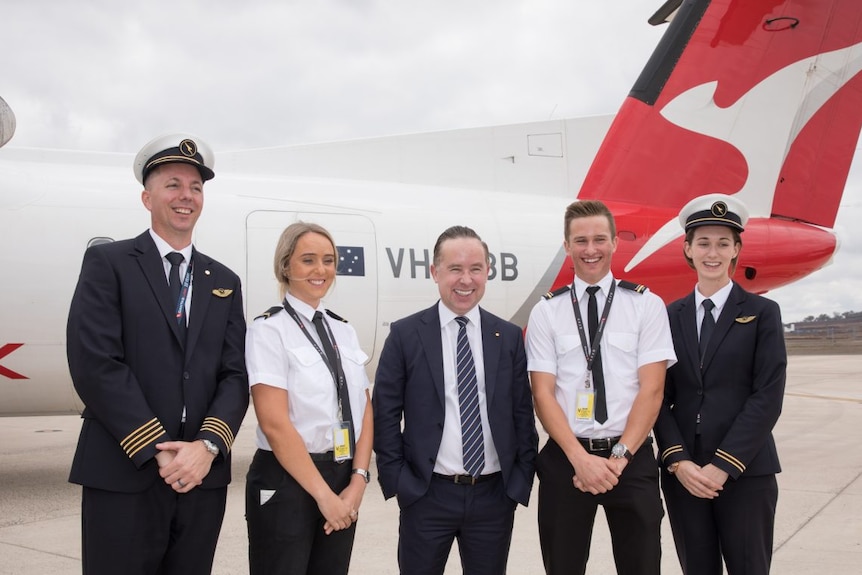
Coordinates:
599 444
463 479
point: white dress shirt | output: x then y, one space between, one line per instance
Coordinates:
637 333
450 457
278 354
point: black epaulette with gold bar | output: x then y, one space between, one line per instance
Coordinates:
270 312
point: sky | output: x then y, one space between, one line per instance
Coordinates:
108 76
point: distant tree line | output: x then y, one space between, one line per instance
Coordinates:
835 315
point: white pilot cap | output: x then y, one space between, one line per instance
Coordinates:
172 148
714 210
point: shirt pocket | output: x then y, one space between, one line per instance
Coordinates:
353 362
566 344
625 342
620 353
308 373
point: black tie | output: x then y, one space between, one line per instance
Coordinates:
341 385
598 375
706 326
175 284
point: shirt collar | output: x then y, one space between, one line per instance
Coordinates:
447 315
165 248
719 298
580 286
301 307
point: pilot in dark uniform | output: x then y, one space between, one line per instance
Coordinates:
722 400
155 343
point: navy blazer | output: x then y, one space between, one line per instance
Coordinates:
737 394
409 383
135 376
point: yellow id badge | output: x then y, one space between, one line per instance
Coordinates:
584 402
342 435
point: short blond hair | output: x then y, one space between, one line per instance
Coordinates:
287 245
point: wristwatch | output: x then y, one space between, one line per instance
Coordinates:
211 447
620 451
673 467
364 473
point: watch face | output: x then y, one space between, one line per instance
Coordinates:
619 450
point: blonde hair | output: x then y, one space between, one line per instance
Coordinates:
287 245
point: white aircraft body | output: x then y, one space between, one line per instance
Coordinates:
759 99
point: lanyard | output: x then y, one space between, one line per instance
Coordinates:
591 355
184 292
336 371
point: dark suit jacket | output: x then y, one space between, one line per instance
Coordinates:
133 374
738 393
409 383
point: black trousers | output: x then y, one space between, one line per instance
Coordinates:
738 525
479 516
285 526
566 515
154 532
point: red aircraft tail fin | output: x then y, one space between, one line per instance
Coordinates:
758 99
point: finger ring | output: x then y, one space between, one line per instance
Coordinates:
180 483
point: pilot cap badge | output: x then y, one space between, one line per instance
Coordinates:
714 210
174 148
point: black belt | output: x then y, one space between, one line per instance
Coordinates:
323 456
605 443
464 479
600 444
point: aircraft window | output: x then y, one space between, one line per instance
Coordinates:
98 241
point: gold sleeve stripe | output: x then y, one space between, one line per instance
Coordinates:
130 437
133 449
220 428
219 433
730 459
215 422
670 451
144 433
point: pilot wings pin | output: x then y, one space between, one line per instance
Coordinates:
746 319
222 292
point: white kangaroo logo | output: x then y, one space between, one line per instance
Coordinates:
762 125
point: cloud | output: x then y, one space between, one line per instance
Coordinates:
106 75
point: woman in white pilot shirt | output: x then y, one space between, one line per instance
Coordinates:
301 504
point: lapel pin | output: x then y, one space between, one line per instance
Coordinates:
496 334
206 272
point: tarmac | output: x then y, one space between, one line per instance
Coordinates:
818 523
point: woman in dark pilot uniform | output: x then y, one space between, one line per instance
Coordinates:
722 400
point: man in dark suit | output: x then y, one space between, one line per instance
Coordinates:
464 458
155 343
722 400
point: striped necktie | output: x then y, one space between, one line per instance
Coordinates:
472 440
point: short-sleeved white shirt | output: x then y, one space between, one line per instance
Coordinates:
637 333
279 354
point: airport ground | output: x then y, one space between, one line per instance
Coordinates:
818 524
